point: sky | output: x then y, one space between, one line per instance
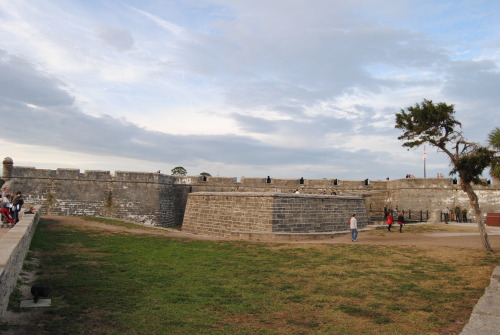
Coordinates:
242 88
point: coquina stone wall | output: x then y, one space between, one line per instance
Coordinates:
14 246
146 198
219 214
436 194
159 199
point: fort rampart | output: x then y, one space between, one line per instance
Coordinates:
159 199
220 214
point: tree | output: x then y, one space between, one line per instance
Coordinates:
494 140
435 124
206 174
179 171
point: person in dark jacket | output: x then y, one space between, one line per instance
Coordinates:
17 203
401 220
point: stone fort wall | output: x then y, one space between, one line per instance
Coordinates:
146 198
159 199
220 214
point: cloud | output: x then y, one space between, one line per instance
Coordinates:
57 122
476 80
21 83
116 38
309 89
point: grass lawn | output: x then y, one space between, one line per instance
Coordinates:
107 282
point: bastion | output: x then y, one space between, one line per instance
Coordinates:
223 214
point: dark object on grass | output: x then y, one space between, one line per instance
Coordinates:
40 291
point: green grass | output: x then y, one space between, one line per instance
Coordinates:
116 283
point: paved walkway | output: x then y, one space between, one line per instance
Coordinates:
485 317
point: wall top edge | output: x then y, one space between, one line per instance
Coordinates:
273 195
32 172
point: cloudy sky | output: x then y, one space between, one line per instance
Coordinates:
295 88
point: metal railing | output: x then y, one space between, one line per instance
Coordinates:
410 215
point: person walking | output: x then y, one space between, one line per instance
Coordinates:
401 220
389 221
354 227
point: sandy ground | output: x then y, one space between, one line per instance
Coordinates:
461 238
457 234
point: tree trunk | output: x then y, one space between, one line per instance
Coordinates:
474 202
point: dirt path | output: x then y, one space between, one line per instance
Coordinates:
451 235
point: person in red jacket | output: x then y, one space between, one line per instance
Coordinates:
389 221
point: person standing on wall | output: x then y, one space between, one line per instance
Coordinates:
17 203
389 221
353 222
401 220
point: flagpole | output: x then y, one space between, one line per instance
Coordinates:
425 176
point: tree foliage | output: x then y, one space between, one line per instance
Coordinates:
494 140
179 171
471 166
436 124
428 122
206 174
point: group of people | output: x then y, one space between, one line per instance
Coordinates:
400 220
458 214
353 223
13 202
400 217
321 192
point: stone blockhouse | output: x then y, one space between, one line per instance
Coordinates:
159 199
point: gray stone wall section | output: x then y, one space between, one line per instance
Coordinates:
220 214
316 214
146 198
217 214
14 246
415 194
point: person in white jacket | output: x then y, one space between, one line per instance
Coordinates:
354 227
